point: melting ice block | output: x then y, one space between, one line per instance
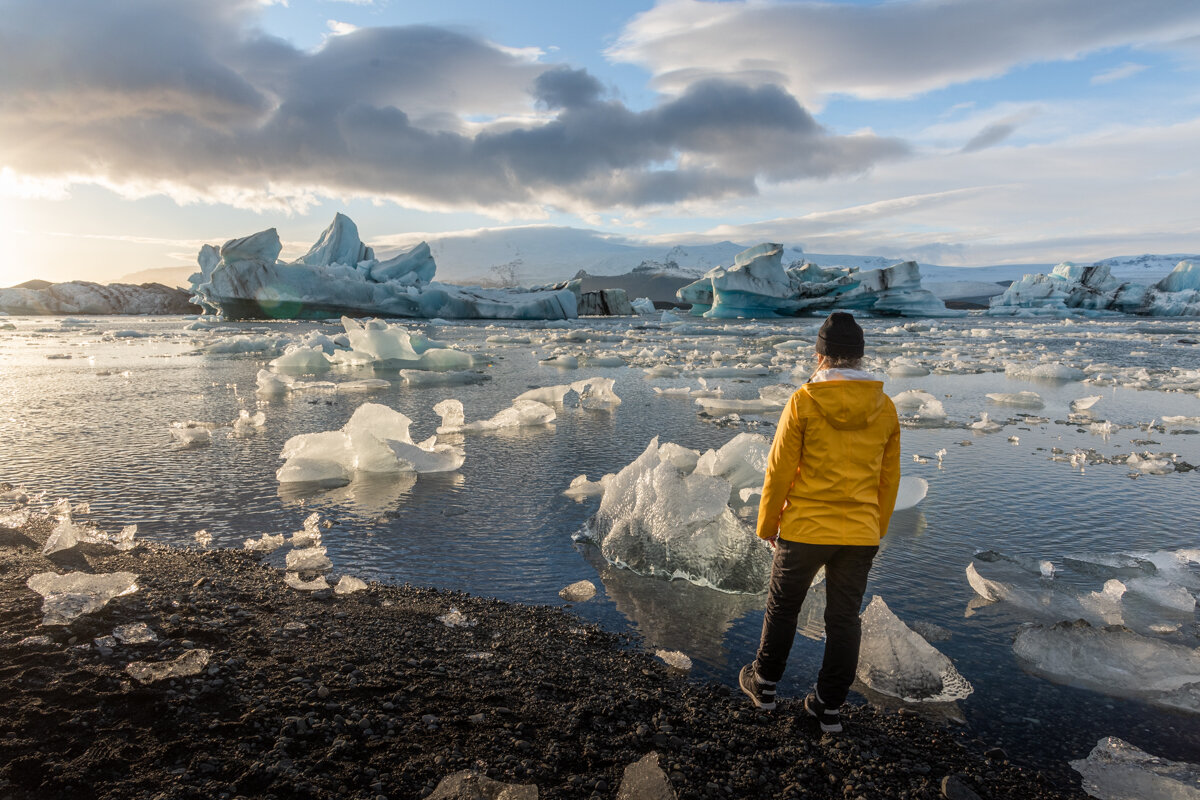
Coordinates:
675 659
897 661
661 515
190 663
1113 660
74 594
912 491
522 413
348 584
375 341
1018 399
1116 770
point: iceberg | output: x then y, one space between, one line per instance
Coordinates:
1116 770
758 285
340 275
1113 660
86 297
897 661
522 413
667 514
1093 290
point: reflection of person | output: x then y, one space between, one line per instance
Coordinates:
827 497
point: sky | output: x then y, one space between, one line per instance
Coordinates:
957 132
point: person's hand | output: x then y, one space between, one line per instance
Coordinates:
773 540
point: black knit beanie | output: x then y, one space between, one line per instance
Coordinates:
840 337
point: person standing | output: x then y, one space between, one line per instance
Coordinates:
828 494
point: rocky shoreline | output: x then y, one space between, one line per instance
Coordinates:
369 695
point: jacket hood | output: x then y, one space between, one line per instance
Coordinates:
848 405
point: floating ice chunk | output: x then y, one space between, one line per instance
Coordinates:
267 543
912 491
1163 593
662 371
985 424
905 368
298 358
271 384
1105 428
190 663
742 461
69 596
1180 420
348 584
294 580
897 661
1116 770
1046 372
1113 660
562 362
581 487
1149 464
1181 567
375 341
192 433
1084 403
1106 604
456 619
550 395
578 592
203 538
308 559
1015 440
596 392
416 377
716 406
521 413
247 424
643 305
660 517
911 399
134 633
1019 399
675 659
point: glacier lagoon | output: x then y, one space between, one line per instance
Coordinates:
1045 486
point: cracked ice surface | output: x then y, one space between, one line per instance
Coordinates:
897 661
1116 770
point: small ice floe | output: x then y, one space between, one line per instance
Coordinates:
192 433
940 455
348 584
134 633
190 663
661 371
203 538
1015 440
771 400
985 424
675 659
521 414
581 488
1084 403
1018 399
1116 770
456 619
1105 428
1150 464
592 392
561 361
1179 421
375 440
903 367
1045 372
69 596
897 661
247 424
920 459
294 580
578 592
912 491
1113 660
267 543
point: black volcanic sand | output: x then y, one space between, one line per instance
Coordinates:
373 697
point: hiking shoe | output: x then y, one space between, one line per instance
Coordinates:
830 718
761 692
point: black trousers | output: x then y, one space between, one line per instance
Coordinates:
846 570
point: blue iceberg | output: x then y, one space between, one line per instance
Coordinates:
1093 290
340 276
758 285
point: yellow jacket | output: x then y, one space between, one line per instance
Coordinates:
834 466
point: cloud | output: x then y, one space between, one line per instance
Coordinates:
191 99
883 50
1126 70
990 135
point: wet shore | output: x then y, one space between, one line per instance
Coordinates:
369 695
